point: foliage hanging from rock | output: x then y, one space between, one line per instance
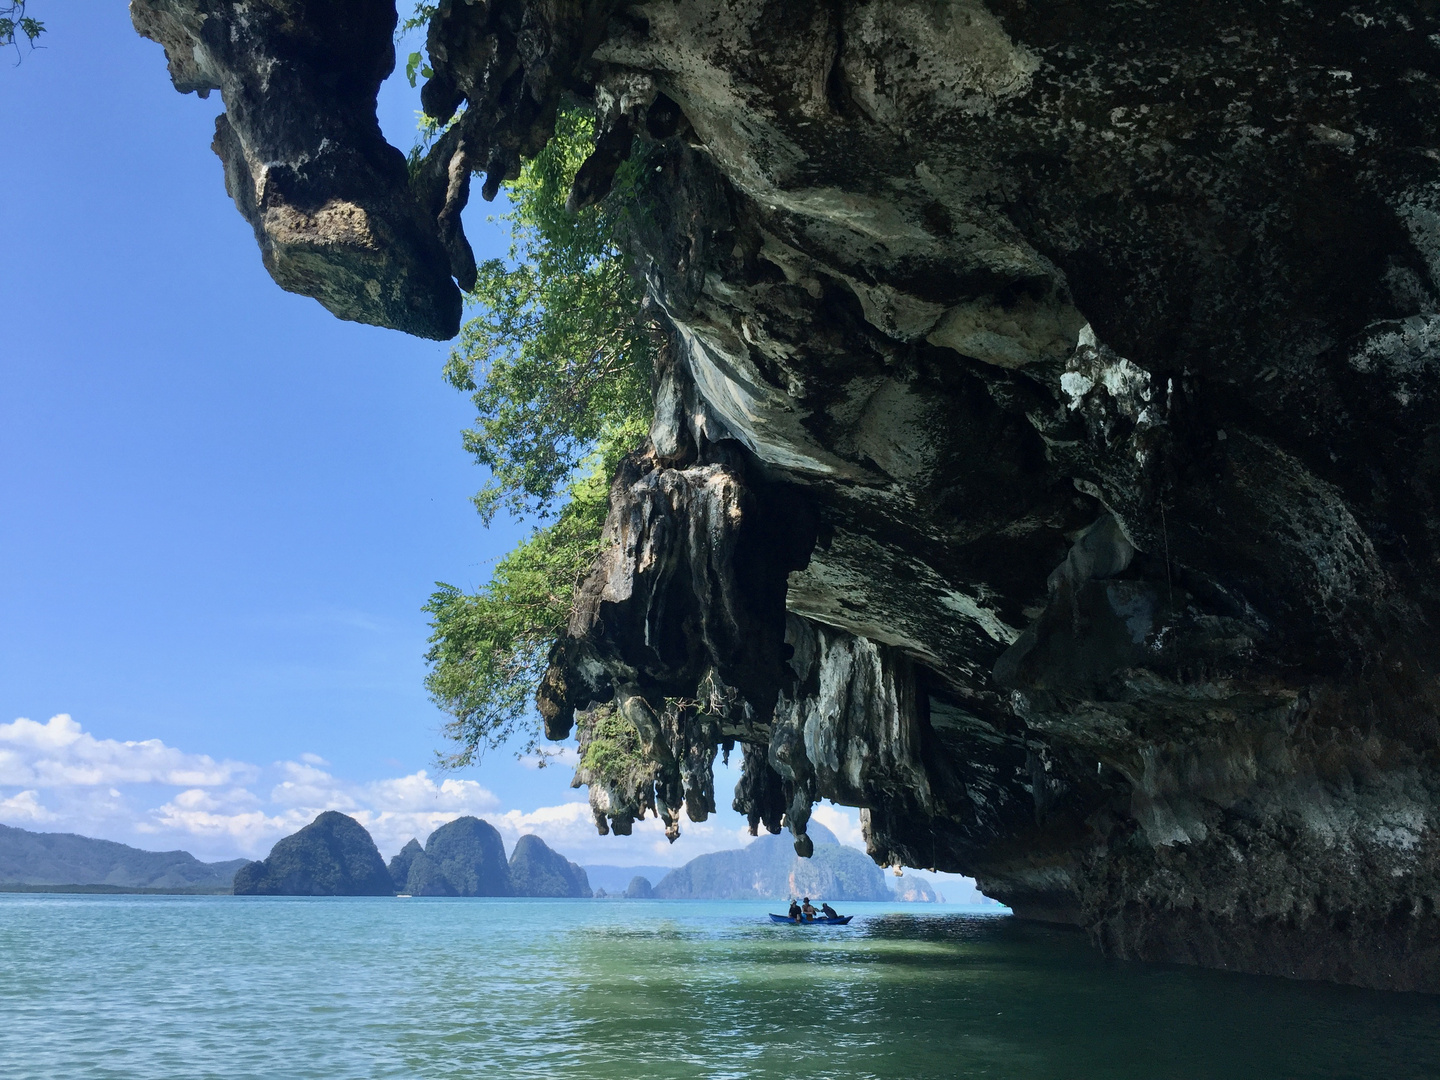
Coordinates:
558 356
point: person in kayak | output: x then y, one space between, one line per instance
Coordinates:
794 911
828 911
808 910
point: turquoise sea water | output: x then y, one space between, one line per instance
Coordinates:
140 987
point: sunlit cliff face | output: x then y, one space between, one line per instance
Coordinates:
1044 457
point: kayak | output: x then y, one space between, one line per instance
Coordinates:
839 920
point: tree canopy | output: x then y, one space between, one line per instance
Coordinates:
558 362
488 649
559 354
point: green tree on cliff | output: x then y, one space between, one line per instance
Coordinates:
558 355
557 361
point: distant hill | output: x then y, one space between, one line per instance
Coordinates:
768 868
615 879
915 890
114 890
332 856
36 858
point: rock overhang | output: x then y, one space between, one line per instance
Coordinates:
1042 457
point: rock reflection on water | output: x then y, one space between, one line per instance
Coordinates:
142 987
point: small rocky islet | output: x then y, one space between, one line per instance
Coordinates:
335 856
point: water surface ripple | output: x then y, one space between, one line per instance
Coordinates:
142 987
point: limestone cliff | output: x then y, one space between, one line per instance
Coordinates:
332 856
538 870
401 863
464 857
1045 456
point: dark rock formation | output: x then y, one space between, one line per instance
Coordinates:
639 889
401 863
1045 457
465 857
35 858
768 868
332 856
331 202
536 870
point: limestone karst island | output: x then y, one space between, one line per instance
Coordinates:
721 538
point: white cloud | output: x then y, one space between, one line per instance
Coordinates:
415 806
58 753
59 776
418 792
548 757
25 806
393 810
843 821
307 786
230 820
570 828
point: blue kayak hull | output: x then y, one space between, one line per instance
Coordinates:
819 920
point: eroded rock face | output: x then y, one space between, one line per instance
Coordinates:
331 202
1045 458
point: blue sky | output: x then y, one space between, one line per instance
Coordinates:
221 508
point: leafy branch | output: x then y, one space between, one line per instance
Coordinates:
418 19
558 361
16 23
559 351
488 650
